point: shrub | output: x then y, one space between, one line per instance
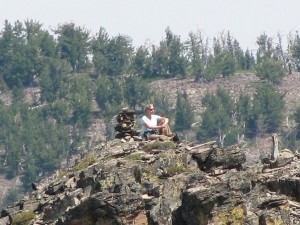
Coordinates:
23 218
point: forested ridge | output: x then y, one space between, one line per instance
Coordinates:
74 71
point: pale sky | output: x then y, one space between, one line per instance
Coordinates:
146 20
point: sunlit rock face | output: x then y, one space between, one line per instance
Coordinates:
126 181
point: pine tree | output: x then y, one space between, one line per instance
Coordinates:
217 119
184 114
74 45
268 106
176 60
136 92
295 49
163 104
270 69
141 62
197 55
249 60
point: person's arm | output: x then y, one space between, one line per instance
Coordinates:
154 127
165 121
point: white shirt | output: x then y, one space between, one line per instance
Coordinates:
151 122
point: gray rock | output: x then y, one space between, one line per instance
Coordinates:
200 184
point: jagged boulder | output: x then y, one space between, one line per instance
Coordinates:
215 157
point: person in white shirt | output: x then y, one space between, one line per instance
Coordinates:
154 126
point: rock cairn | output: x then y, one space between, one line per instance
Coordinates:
125 127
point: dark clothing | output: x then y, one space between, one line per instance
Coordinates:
148 133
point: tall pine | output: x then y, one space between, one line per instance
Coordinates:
184 115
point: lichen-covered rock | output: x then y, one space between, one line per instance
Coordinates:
214 157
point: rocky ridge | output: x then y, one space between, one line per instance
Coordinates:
151 182
277 181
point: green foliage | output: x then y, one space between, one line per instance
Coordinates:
99 45
44 145
297 120
136 92
268 107
290 139
74 45
176 61
270 70
53 79
244 116
109 93
149 177
227 64
59 110
184 115
239 56
233 216
11 197
86 162
211 71
103 91
119 52
34 144
18 94
265 48
23 218
23 49
112 55
81 100
226 121
223 61
19 58
295 135
177 168
141 63
134 156
159 65
295 49
249 60
217 118
163 104
196 54
37 138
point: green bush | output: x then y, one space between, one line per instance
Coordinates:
134 156
23 218
87 161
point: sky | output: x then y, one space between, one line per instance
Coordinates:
145 21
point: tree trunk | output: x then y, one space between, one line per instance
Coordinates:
275 151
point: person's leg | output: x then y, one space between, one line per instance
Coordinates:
159 137
165 131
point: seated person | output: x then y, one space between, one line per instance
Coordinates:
154 126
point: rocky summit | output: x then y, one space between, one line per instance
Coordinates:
125 181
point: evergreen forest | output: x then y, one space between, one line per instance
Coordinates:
77 72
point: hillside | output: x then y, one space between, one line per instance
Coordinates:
290 86
158 183
196 90
235 84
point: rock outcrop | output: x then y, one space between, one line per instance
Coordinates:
126 127
160 183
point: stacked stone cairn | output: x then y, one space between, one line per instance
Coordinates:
125 128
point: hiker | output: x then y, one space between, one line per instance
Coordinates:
155 126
